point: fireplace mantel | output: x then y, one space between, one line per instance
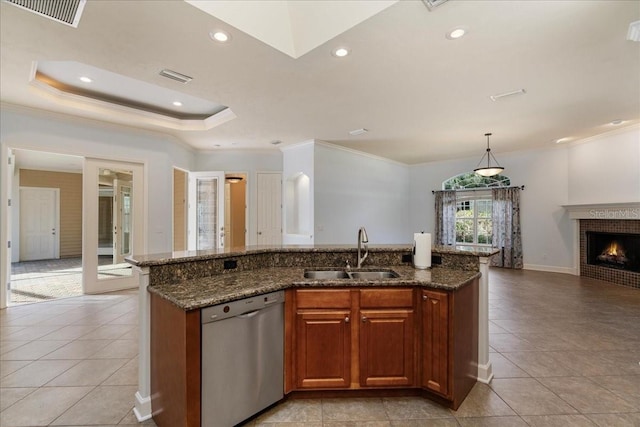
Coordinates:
604 211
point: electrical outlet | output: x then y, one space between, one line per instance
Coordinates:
230 264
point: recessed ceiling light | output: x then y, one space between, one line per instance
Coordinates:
456 33
177 103
220 36
562 140
358 131
85 79
341 52
617 122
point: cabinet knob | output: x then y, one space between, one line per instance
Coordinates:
424 297
346 319
364 318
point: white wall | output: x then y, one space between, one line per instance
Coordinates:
43 131
295 160
355 189
547 234
249 162
605 169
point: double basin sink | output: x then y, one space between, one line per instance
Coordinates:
347 274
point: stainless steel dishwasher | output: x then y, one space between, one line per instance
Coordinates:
242 358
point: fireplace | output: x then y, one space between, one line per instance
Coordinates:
610 250
614 250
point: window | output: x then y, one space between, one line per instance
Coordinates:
473 221
474 205
469 180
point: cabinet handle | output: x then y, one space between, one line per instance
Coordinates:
424 297
364 319
346 319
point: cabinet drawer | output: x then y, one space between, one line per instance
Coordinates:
325 298
382 298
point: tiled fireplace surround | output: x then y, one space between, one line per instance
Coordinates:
620 277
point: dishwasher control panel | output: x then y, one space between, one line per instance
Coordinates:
240 307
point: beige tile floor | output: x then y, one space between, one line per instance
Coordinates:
565 352
44 280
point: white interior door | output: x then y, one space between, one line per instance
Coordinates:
269 209
39 212
206 210
109 272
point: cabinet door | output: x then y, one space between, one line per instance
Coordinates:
387 347
435 330
323 349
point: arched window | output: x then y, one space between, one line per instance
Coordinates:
471 180
474 226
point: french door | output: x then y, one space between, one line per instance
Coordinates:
112 231
206 210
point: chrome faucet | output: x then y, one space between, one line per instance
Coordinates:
362 240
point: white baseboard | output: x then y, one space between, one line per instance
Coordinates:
485 373
552 269
142 409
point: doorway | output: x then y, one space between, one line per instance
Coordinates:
235 189
45 226
180 180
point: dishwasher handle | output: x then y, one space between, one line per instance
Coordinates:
249 314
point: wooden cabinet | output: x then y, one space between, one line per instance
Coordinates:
387 337
435 341
450 342
320 341
374 338
339 333
323 349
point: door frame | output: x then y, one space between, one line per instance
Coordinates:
56 219
6 184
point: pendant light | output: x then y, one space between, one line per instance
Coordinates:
488 170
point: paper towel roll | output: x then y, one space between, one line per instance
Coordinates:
422 250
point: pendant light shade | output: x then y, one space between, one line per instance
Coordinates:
489 169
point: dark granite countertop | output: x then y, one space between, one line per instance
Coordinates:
187 256
221 288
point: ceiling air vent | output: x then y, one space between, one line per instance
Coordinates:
174 75
64 11
431 4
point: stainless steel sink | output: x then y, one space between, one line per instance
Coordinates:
356 275
325 274
373 275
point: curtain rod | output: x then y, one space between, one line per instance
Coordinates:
481 189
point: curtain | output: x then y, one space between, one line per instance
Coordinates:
506 227
445 217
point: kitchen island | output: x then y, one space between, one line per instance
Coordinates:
179 284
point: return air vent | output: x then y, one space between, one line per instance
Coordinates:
64 11
431 4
